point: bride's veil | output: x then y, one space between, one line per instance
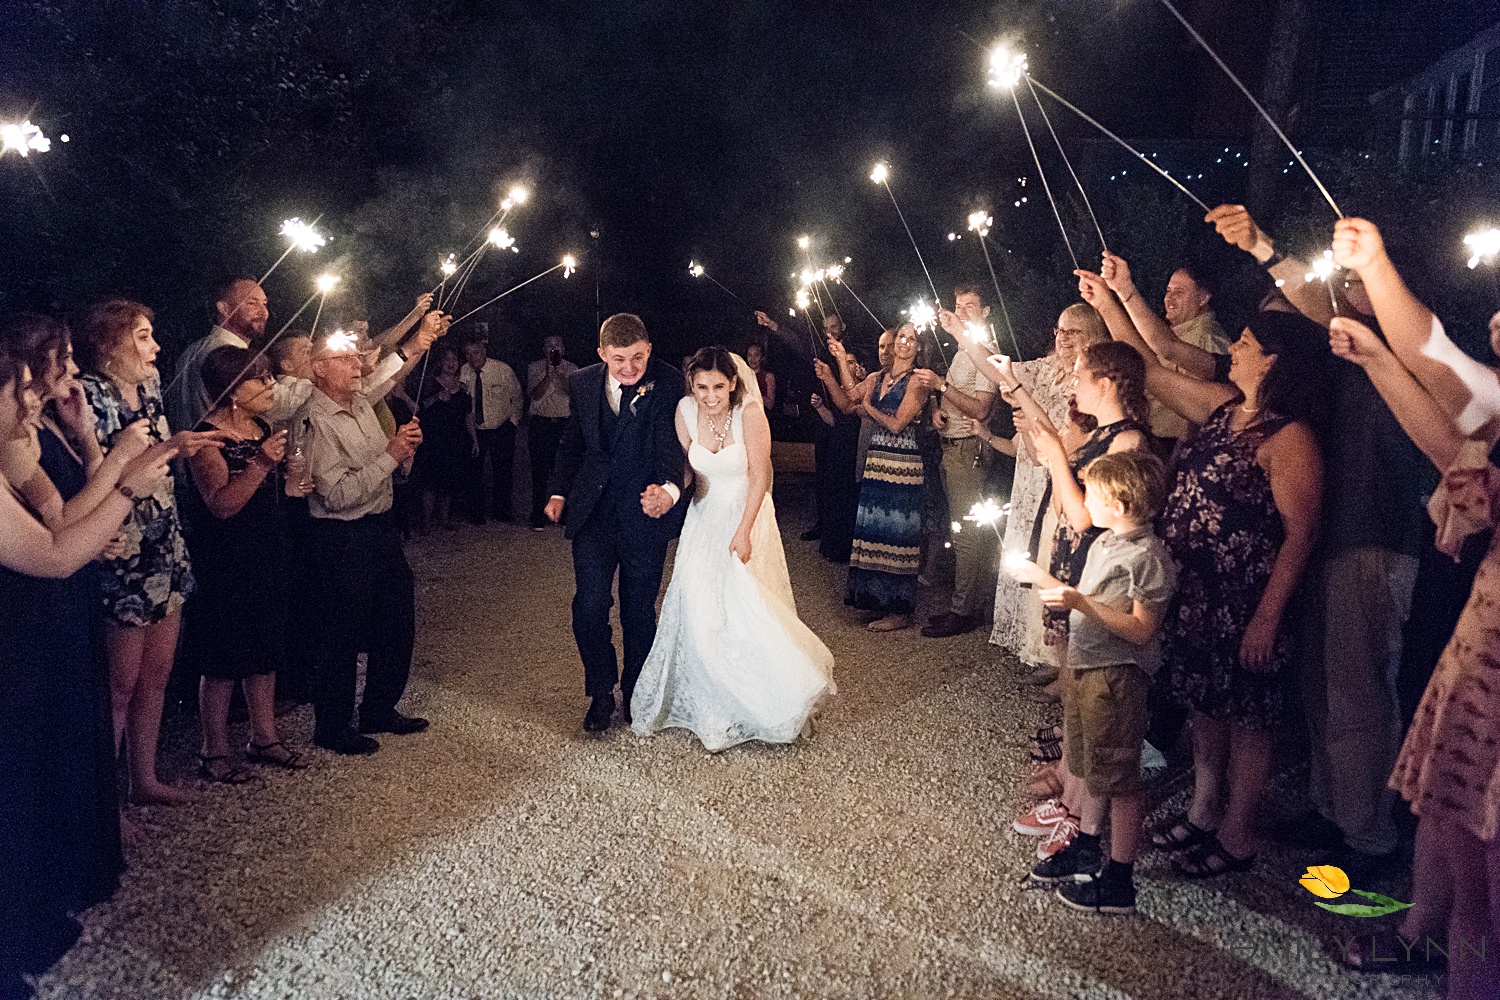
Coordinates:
747 379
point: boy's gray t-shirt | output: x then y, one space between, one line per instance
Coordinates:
1121 569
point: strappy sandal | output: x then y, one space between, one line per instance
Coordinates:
1209 860
1166 837
232 774
1046 751
291 762
1046 733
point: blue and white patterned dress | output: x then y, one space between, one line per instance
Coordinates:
152 577
888 528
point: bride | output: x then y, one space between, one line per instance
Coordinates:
732 661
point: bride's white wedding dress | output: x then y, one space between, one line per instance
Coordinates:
732 661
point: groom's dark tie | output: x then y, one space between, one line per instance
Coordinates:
627 396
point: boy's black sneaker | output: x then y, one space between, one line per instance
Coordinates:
1073 863
1099 895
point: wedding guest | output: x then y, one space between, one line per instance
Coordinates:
291 357
368 590
547 389
496 403
886 553
1116 613
1450 405
291 361
451 447
1188 318
1373 531
239 312
967 398
839 494
143 589
1018 613
765 379
1240 524
833 452
236 625
59 825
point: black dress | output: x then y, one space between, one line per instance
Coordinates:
236 624
59 816
446 452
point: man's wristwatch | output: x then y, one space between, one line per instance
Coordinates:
402 355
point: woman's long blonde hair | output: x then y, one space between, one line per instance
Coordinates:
1089 320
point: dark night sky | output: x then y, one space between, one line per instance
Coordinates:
718 132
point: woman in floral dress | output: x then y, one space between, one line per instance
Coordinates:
142 588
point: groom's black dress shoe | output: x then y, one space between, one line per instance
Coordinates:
599 713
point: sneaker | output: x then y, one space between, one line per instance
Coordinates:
1039 820
1069 864
1099 895
1061 836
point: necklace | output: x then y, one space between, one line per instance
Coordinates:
719 435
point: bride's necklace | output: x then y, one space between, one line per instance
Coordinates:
718 435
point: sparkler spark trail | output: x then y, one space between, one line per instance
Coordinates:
500 238
448 266
881 175
922 315
1251 98
1045 185
979 223
1322 270
988 514
328 282
697 270
1128 147
1484 246
24 138
1069 164
570 264
302 236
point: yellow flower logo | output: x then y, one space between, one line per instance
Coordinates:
1326 881
1331 882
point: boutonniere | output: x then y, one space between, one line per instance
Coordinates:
640 394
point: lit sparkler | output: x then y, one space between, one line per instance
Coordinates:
881 172
1484 246
803 242
922 315
339 342
697 270
1006 67
328 282
303 236
449 266
980 222
24 138
1015 559
570 264
804 300
1322 270
988 514
516 196
500 238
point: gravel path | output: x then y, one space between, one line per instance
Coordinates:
505 854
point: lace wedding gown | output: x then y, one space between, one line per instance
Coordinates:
732 661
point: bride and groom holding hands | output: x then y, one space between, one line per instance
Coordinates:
647 456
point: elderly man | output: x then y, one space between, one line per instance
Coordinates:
368 593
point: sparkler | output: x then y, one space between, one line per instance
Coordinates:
697 270
570 264
301 236
1128 147
1322 270
846 286
24 138
1015 559
979 223
881 175
448 266
1007 81
1484 246
555 267
820 276
1251 98
500 238
987 514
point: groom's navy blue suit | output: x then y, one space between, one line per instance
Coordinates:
604 462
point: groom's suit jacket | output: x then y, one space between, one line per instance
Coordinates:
609 459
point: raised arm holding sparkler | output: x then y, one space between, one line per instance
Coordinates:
1129 314
1235 224
1466 389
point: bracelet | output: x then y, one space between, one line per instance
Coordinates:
1276 258
125 491
402 355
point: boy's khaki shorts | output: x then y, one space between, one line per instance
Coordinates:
1105 721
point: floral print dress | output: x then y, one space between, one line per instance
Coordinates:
152 577
1224 532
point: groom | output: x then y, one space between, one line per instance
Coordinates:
618 473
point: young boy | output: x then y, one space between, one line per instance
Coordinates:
1117 610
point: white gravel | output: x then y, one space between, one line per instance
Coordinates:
505 854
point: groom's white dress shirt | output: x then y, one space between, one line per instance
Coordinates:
613 390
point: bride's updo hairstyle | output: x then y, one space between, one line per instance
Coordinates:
717 359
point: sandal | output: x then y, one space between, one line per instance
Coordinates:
1046 733
1046 751
230 774
291 762
1209 859
1166 837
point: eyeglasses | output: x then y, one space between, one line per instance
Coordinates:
1058 331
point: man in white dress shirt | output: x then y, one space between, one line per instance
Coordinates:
240 314
495 396
547 390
